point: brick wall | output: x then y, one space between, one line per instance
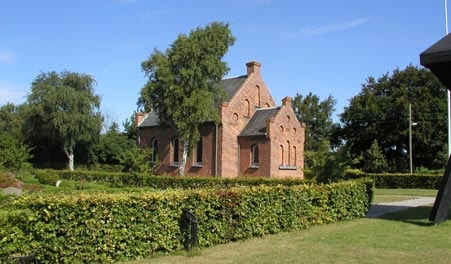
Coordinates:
165 135
237 113
288 134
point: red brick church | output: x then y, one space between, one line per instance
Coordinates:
253 137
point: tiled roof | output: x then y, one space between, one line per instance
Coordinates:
257 125
230 86
150 120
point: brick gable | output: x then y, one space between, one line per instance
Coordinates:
249 119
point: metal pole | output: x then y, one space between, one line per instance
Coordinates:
446 17
448 91
410 139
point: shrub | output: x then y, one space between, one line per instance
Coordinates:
98 228
398 180
48 177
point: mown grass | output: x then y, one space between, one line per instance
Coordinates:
402 237
392 195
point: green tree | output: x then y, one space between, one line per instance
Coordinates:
135 160
111 145
374 159
181 82
380 112
130 127
317 116
13 153
63 111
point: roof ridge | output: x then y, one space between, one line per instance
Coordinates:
268 108
234 77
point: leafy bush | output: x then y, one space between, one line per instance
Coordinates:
398 180
98 228
122 179
48 177
13 154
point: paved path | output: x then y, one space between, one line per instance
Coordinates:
380 209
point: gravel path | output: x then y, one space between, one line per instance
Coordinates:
380 209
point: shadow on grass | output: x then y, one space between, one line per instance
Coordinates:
412 215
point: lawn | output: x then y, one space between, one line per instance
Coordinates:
392 195
402 237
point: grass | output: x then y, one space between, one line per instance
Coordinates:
402 237
392 195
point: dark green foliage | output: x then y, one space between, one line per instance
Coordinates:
317 116
398 180
136 160
62 113
181 81
380 112
111 145
99 228
47 177
14 155
374 159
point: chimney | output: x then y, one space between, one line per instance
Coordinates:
287 101
253 67
139 117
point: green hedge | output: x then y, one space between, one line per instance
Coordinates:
99 228
398 180
122 179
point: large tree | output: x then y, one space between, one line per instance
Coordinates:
13 152
111 145
317 116
380 112
63 111
180 86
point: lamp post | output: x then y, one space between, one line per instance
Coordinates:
410 138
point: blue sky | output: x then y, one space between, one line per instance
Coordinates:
325 47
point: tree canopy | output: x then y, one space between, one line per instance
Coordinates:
317 116
180 86
62 110
380 112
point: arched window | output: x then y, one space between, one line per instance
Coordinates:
154 146
254 155
175 151
294 156
248 108
198 157
258 95
281 155
288 153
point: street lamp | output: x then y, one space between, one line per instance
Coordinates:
410 137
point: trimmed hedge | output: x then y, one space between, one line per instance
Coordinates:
398 180
122 179
99 228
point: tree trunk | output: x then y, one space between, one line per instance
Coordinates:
184 158
70 157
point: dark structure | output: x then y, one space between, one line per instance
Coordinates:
438 59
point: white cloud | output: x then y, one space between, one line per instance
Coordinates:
10 93
325 29
5 56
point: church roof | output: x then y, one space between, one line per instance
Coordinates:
257 125
150 120
230 86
